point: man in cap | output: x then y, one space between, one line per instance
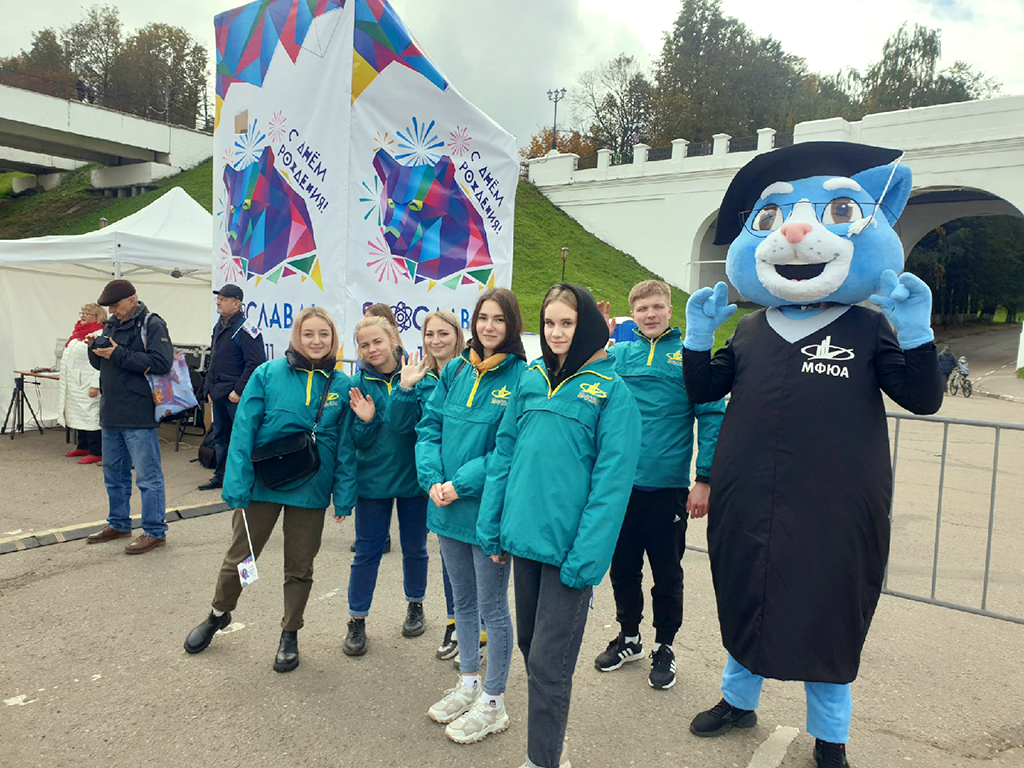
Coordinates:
127 415
236 351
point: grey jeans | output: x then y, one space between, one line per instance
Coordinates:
550 618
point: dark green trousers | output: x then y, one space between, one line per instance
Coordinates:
303 529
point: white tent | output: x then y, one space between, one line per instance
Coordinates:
164 249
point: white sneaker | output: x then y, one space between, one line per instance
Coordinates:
482 719
456 702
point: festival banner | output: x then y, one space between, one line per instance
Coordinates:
349 171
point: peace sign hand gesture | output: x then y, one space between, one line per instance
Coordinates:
413 371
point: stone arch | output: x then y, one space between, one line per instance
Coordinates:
931 207
708 264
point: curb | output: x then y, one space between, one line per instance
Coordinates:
78 532
994 396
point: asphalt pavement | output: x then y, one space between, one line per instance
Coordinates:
93 672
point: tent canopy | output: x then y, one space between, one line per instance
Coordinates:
165 249
172 232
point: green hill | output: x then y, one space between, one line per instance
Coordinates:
541 230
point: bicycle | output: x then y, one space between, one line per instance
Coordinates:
959 382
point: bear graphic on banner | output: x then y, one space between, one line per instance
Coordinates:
430 224
269 229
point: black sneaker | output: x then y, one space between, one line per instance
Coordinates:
355 640
618 653
722 718
829 755
415 624
663 668
450 645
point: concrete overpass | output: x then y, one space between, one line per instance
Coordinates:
48 126
967 159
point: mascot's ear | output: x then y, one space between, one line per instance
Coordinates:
384 164
873 181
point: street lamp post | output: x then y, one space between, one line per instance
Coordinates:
555 96
565 256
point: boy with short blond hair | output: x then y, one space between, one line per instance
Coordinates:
661 499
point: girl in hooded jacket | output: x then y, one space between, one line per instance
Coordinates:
456 438
386 476
558 483
282 398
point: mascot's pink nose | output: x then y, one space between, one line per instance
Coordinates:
794 232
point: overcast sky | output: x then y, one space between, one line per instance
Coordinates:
505 56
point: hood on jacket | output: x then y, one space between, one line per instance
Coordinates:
300 362
591 336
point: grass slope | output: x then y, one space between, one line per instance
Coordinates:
541 230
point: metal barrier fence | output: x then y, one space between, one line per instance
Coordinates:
931 599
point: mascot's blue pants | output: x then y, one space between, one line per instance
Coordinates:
829 705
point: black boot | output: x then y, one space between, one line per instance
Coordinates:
829 755
201 636
287 657
355 641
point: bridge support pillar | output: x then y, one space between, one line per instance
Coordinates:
45 182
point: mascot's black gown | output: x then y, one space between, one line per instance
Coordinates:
801 483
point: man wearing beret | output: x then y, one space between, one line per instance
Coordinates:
236 351
127 415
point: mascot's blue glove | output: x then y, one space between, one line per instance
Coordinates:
706 309
907 301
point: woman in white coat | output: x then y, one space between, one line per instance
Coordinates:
79 398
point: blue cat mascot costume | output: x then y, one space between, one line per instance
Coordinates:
801 482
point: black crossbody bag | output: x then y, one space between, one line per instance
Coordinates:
293 457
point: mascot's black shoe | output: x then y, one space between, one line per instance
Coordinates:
287 657
722 718
829 755
201 636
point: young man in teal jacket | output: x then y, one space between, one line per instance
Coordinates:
661 499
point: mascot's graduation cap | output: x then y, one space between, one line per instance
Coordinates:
798 161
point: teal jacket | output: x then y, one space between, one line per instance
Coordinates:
456 435
280 400
653 371
385 446
562 470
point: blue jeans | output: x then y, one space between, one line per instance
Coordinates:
373 521
124 449
829 705
449 600
480 588
223 420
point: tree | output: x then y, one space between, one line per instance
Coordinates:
568 142
613 104
91 45
716 76
908 74
160 73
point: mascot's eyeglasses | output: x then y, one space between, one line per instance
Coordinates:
841 210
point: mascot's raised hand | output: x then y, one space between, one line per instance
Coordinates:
907 301
706 309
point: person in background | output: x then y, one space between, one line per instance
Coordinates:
236 349
456 438
128 416
386 475
947 362
442 340
557 488
78 403
282 398
661 499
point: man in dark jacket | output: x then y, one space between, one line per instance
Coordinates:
127 414
236 351
947 362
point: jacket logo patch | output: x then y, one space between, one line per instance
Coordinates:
675 358
332 399
828 357
592 392
501 396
